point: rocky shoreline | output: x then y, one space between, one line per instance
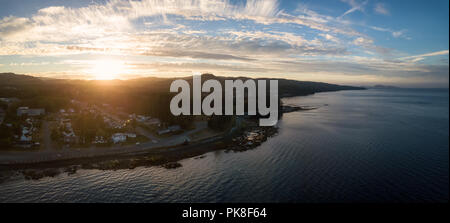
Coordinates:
247 138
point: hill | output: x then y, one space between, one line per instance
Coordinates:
142 96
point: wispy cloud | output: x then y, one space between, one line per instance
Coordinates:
420 57
355 6
380 8
394 33
225 37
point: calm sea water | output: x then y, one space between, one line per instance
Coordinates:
374 145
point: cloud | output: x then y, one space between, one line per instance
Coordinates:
355 6
11 26
420 57
194 54
329 37
380 8
396 34
361 41
59 24
368 43
180 37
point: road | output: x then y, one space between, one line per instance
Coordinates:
48 155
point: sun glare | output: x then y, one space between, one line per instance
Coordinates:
107 69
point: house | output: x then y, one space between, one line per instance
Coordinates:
142 118
25 138
36 112
9 100
30 112
99 140
25 131
130 135
122 137
26 135
113 123
6 100
119 137
69 137
22 111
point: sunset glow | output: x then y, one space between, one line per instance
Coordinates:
107 69
341 41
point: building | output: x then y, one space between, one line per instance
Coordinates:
36 112
26 135
142 118
25 138
9 100
70 137
130 135
22 111
30 112
99 140
122 137
119 137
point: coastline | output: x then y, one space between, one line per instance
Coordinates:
35 165
165 156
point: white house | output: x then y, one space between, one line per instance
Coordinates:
31 112
26 135
22 111
130 135
25 138
36 112
119 137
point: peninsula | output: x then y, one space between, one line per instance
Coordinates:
73 124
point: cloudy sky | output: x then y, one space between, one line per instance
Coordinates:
358 42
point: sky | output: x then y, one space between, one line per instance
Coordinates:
355 42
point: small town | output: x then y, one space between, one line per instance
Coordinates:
81 125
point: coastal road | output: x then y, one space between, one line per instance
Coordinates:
31 157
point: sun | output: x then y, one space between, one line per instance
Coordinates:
107 69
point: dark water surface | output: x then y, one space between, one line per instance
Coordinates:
374 145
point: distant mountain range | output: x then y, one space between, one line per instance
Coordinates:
148 95
286 87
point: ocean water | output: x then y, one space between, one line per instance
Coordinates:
359 146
